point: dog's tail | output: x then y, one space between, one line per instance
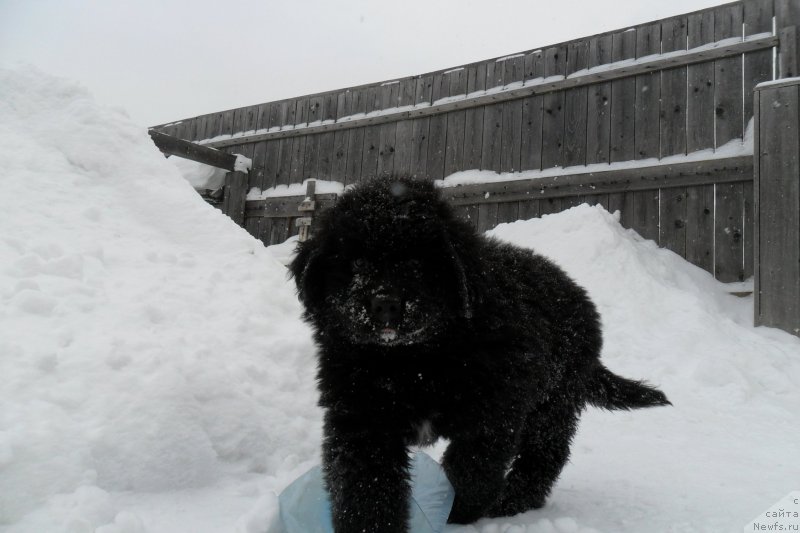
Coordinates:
610 391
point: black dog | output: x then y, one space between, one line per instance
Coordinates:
427 329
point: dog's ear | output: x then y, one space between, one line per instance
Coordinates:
305 270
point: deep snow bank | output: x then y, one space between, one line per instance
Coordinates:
148 343
155 375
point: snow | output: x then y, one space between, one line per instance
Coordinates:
296 189
157 376
200 176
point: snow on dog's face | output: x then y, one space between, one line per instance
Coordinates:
379 269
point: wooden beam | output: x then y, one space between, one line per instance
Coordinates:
729 170
170 145
611 181
532 88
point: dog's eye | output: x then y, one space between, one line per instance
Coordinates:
359 263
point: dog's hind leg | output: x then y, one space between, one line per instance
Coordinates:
543 452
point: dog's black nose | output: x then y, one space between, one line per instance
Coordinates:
386 309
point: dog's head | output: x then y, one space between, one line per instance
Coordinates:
385 266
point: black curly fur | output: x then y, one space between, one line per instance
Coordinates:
497 350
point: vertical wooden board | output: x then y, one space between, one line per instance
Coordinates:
421 127
672 217
226 122
570 201
357 103
787 15
616 203
507 212
311 152
532 109
372 137
555 63
251 224
265 231
548 206
595 199
513 72
340 140
757 66
700 79
528 209
623 100
456 122
673 92
487 217
700 226
405 128
778 210
258 170
326 140
473 120
648 95
299 143
271 117
576 107
647 108
728 104
747 193
492 122
251 119
438 129
390 94
279 231
598 112
728 232
283 172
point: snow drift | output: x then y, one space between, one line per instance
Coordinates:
156 376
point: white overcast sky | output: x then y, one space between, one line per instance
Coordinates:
164 60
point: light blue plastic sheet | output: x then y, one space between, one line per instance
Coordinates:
305 507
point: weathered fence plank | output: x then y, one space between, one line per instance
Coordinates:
777 219
555 64
492 122
473 121
456 122
647 130
598 119
532 109
421 128
513 71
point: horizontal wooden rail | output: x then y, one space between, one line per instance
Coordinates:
170 145
285 206
727 170
623 69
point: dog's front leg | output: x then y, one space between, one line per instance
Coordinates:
475 465
367 477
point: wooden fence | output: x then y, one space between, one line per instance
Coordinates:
622 101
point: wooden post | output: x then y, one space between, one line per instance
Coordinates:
235 195
306 208
777 205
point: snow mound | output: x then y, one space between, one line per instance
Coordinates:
148 343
